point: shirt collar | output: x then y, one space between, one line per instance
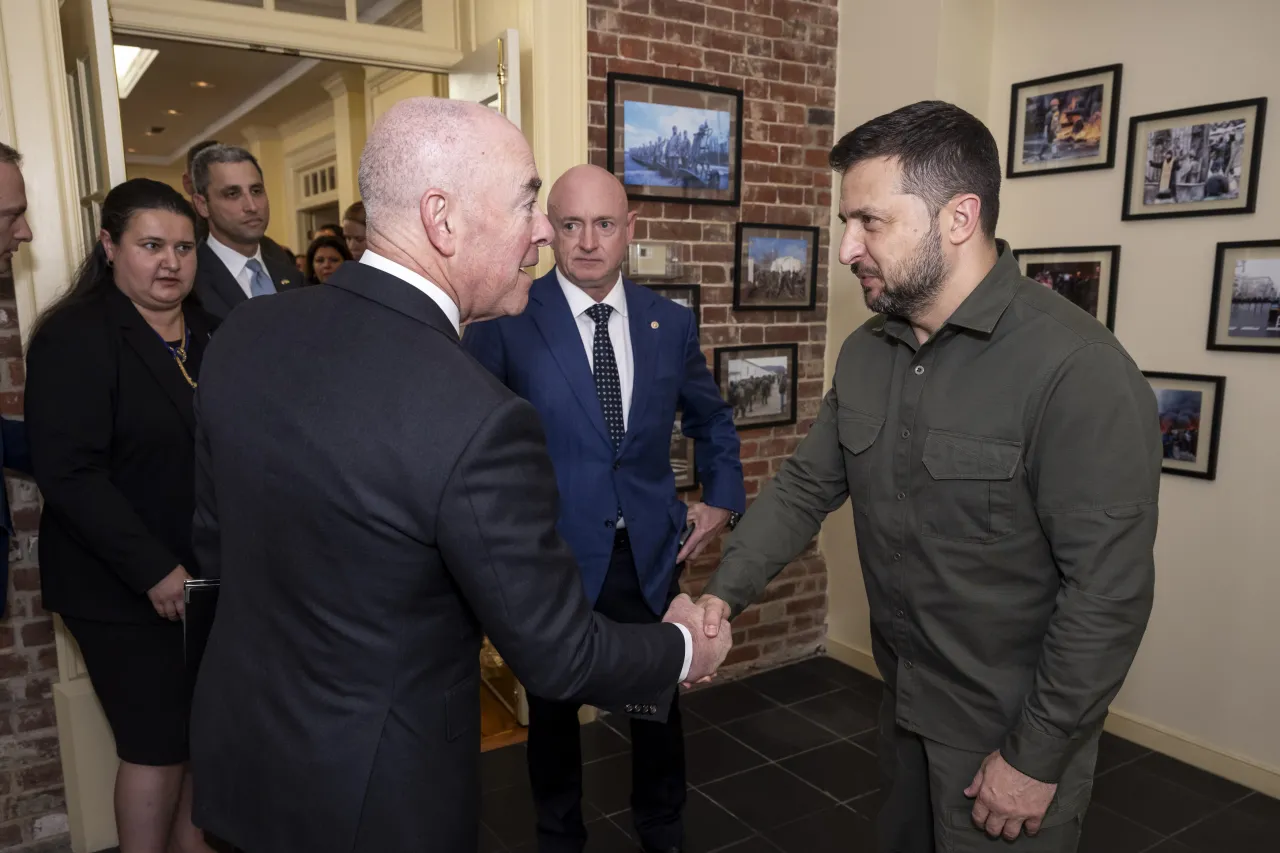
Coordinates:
408 276
981 309
580 301
234 260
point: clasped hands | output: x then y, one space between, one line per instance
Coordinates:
708 624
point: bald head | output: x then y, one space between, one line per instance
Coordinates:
588 209
450 191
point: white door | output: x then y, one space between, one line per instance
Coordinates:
491 76
95 106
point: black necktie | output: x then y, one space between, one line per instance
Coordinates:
605 368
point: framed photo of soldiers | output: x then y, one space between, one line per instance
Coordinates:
1244 314
682 458
1201 161
685 295
1085 275
1064 123
776 267
669 140
759 382
1190 409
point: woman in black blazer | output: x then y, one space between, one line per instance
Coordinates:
111 375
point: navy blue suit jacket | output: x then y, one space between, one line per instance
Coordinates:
539 355
14 453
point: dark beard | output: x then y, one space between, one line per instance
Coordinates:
912 291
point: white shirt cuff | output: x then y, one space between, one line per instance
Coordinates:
688 650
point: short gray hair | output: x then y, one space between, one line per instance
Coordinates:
9 154
217 154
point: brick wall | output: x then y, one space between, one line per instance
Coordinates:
782 54
32 803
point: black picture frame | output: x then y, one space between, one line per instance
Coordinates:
788 406
687 295
684 458
1059 84
1251 108
743 235
1224 294
695 96
1217 385
1105 311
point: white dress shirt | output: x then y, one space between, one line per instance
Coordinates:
400 271
619 333
620 337
238 264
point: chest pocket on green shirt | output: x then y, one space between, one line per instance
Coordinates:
972 493
857 432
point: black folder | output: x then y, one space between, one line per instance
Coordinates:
200 597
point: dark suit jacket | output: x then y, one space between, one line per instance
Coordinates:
112 434
218 290
14 453
539 355
387 502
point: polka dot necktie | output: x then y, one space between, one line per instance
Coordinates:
605 368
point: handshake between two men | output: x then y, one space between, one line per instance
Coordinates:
707 621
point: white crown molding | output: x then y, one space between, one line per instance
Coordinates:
259 133
147 160
322 112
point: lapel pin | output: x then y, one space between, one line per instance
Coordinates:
653 325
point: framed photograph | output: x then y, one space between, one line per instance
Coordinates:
675 141
1201 161
682 294
1245 312
1086 275
682 458
776 267
759 382
1064 123
1190 421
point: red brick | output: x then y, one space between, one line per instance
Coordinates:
601 20
721 19
752 334
641 25
676 54
597 66
37 634
17 373
792 72
764 632
599 42
11 401
679 33
714 275
6 637
629 48
758 7
25 580
715 314
791 113
762 195
752 66
821 75
716 232
604 4
634 66
741 654
759 152
11 346
791 195
637 7
718 39
41 776
34 717
10 833
13 665
817 158
32 804
791 155
680 10
713 253
664 230
733 5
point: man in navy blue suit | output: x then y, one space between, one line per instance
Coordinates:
607 364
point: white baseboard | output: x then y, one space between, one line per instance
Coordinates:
1153 736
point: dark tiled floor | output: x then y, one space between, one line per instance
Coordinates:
784 762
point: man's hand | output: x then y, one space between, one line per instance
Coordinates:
166 596
708 652
715 612
707 523
1008 800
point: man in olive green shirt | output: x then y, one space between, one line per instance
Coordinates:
1002 455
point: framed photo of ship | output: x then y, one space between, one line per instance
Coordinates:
669 140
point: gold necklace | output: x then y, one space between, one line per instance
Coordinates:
179 353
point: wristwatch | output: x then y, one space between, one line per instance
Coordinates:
734 518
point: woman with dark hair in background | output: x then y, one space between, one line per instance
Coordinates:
353 230
324 256
111 376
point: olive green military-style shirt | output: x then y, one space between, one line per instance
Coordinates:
1004 480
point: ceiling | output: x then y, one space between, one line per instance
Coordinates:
237 76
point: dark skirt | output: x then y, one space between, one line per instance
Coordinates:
138 673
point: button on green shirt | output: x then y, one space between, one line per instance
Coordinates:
1004 480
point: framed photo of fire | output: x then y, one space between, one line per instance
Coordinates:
1064 123
669 140
1085 275
1190 409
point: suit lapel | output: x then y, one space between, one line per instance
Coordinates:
144 341
555 321
390 292
644 346
284 274
220 278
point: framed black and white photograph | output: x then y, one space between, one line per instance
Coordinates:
682 459
776 267
1244 314
686 295
1064 123
759 382
675 141
1190 408
1201 161
1085 275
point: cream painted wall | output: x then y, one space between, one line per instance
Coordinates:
1206 684
1208 666
409 86
171 175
